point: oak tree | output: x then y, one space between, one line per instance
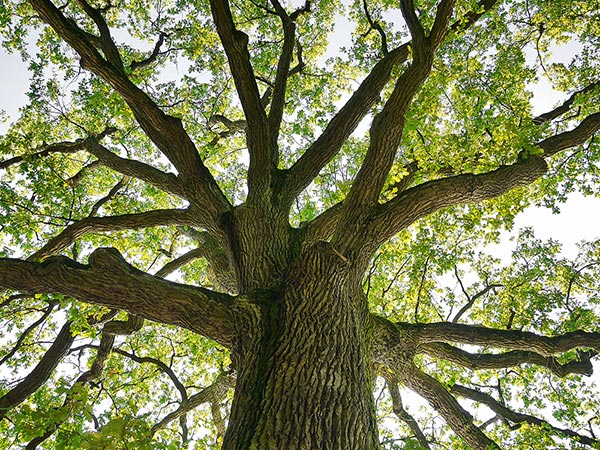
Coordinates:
259 224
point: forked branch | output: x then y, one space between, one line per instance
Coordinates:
108 280
519 418
148 219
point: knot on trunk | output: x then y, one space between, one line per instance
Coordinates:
109 259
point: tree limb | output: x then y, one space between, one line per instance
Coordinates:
404 415
235 44
113 191
111 53
153 56
482 361
165 131
572 138
426 198
377 27
159 217
165 181
26 332
516 417
213 393
511 339
341 126
459 420
471 300
70 404
59 147
108 280
412 22
282 75
565 106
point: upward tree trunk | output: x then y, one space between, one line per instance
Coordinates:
302 360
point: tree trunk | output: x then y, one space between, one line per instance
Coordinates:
302 360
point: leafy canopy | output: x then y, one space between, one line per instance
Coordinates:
81 170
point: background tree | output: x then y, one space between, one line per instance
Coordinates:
320 205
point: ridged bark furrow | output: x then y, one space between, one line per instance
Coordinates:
313 377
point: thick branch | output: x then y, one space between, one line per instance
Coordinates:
343 123
440 29
42 371
516 417
222 273
111 53
565 106
481 361
235 44
108 280
59 147
459 420
282 74
322 227
412 22
572 138
165 181
507 339
426 198
161 217
404 415
434 195
213 393
165 131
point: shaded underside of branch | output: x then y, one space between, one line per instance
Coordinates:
108 280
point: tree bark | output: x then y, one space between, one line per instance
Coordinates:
304 379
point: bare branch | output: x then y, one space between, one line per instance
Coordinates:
113 191
184 259
213 393
153 56
471 300
41 372
377 27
